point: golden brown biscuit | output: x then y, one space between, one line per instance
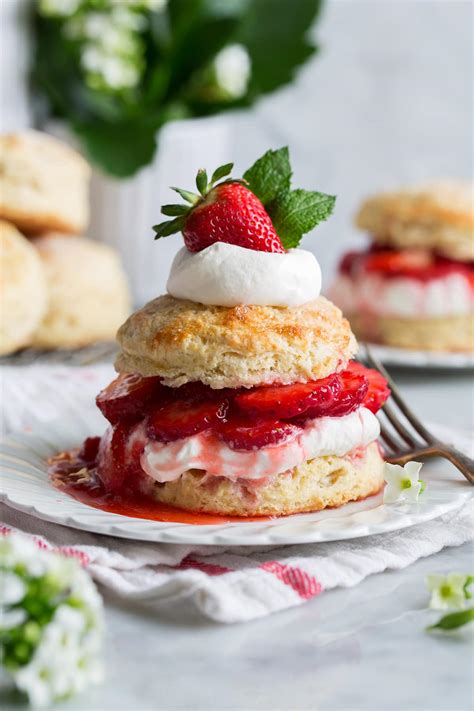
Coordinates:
22 289
43 184
448 333
87 292
184 341
438 216
320 483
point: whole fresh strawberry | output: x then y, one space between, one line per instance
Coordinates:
259 212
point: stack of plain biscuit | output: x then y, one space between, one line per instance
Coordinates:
57 289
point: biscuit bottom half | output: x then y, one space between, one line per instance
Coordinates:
448 333
323 482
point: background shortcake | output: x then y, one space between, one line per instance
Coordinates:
237 394
414 286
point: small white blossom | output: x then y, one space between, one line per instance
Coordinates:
20 549
403 483
447 591
58 7
12 588
232 67
63 655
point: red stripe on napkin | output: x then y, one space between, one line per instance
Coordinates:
189 563
304 584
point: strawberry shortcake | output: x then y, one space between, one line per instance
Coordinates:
414 285
237 393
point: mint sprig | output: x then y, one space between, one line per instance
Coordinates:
293 212
270 175
298 211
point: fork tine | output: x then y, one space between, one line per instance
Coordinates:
397 425
388 440
412 419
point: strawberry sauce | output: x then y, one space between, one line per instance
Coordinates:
70 474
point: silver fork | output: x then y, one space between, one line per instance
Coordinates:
416 443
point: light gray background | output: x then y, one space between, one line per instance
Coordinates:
387 101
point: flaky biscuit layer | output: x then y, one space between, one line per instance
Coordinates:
183 341
438 216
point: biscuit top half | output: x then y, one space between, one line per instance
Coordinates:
241 346
437 216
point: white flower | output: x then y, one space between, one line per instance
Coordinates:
12 618
232 67
12 588
21 550
59 7
447 591
403 483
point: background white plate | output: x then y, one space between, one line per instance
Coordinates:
25 487
420 359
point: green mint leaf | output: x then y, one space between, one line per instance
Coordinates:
174 210
297 212
221 172
270 175
454 620
186 195
164 229
201 181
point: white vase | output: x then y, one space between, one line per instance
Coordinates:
124 211
15 113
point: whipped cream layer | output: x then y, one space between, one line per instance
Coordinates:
320 437
227 275
448 295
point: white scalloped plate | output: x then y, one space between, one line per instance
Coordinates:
407 358
25 487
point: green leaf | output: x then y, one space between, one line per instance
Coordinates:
270 175
221 172
201 181
164 229
186 195
454 620
277 36
297 212
122 148
467 585
173 210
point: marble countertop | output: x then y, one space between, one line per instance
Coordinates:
360 648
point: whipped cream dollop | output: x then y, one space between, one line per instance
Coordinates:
227 275
320 437
448 295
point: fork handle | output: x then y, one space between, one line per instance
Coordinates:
460 460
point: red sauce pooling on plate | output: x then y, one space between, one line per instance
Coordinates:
71 474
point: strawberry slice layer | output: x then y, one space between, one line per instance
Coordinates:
239 433
125 397
378 391
286 401
111 462
183 418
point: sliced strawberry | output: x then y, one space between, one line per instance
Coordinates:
125 398
89 450
403 261
286 401
111 461
353 391
239 433
182 419
378 390
118 460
